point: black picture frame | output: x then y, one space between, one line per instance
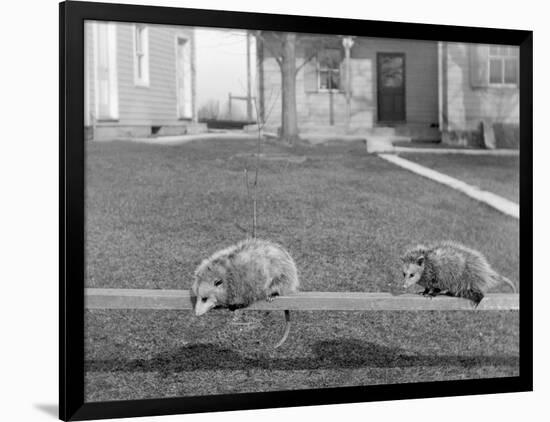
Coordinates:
71 184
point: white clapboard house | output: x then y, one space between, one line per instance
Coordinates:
139 80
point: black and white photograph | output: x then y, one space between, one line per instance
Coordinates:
275 211
272 211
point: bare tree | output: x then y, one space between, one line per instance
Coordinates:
282 47
253 198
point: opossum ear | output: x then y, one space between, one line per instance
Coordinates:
218 282
420 260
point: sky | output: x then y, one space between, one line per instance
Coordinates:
221 66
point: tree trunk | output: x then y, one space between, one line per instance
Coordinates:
289 130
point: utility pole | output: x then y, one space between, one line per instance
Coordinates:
348 43
248 79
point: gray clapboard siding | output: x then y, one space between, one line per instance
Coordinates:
313 107
152 105
470 102
155 104
303 301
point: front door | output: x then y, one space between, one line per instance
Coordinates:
391 87
183 77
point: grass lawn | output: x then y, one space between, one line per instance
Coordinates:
153 212
495 174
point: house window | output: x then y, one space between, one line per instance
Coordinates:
503 65
328 69
141 55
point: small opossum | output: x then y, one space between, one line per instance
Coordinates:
244 273
450 268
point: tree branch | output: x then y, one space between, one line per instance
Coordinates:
276 55
306 61
317 46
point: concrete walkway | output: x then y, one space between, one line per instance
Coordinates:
495 201
182 139
497 152
385 144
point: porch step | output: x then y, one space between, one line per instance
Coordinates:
410 131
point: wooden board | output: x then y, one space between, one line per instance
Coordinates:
303 301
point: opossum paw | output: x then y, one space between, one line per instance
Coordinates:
270 297
429 294
433 292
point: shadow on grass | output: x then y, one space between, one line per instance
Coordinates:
335 354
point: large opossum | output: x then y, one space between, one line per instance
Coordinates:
450 268
244 273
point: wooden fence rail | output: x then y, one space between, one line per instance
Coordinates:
303 301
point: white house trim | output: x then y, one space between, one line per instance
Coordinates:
144 80
187 109
113 70
87 117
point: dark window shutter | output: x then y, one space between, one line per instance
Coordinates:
479 65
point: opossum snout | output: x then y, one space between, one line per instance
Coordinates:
409 282
203 305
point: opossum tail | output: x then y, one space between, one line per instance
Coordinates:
287 329
502 279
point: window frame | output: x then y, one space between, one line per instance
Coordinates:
502 58
330 71
141 30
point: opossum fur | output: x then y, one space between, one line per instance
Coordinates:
450 268
244 273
